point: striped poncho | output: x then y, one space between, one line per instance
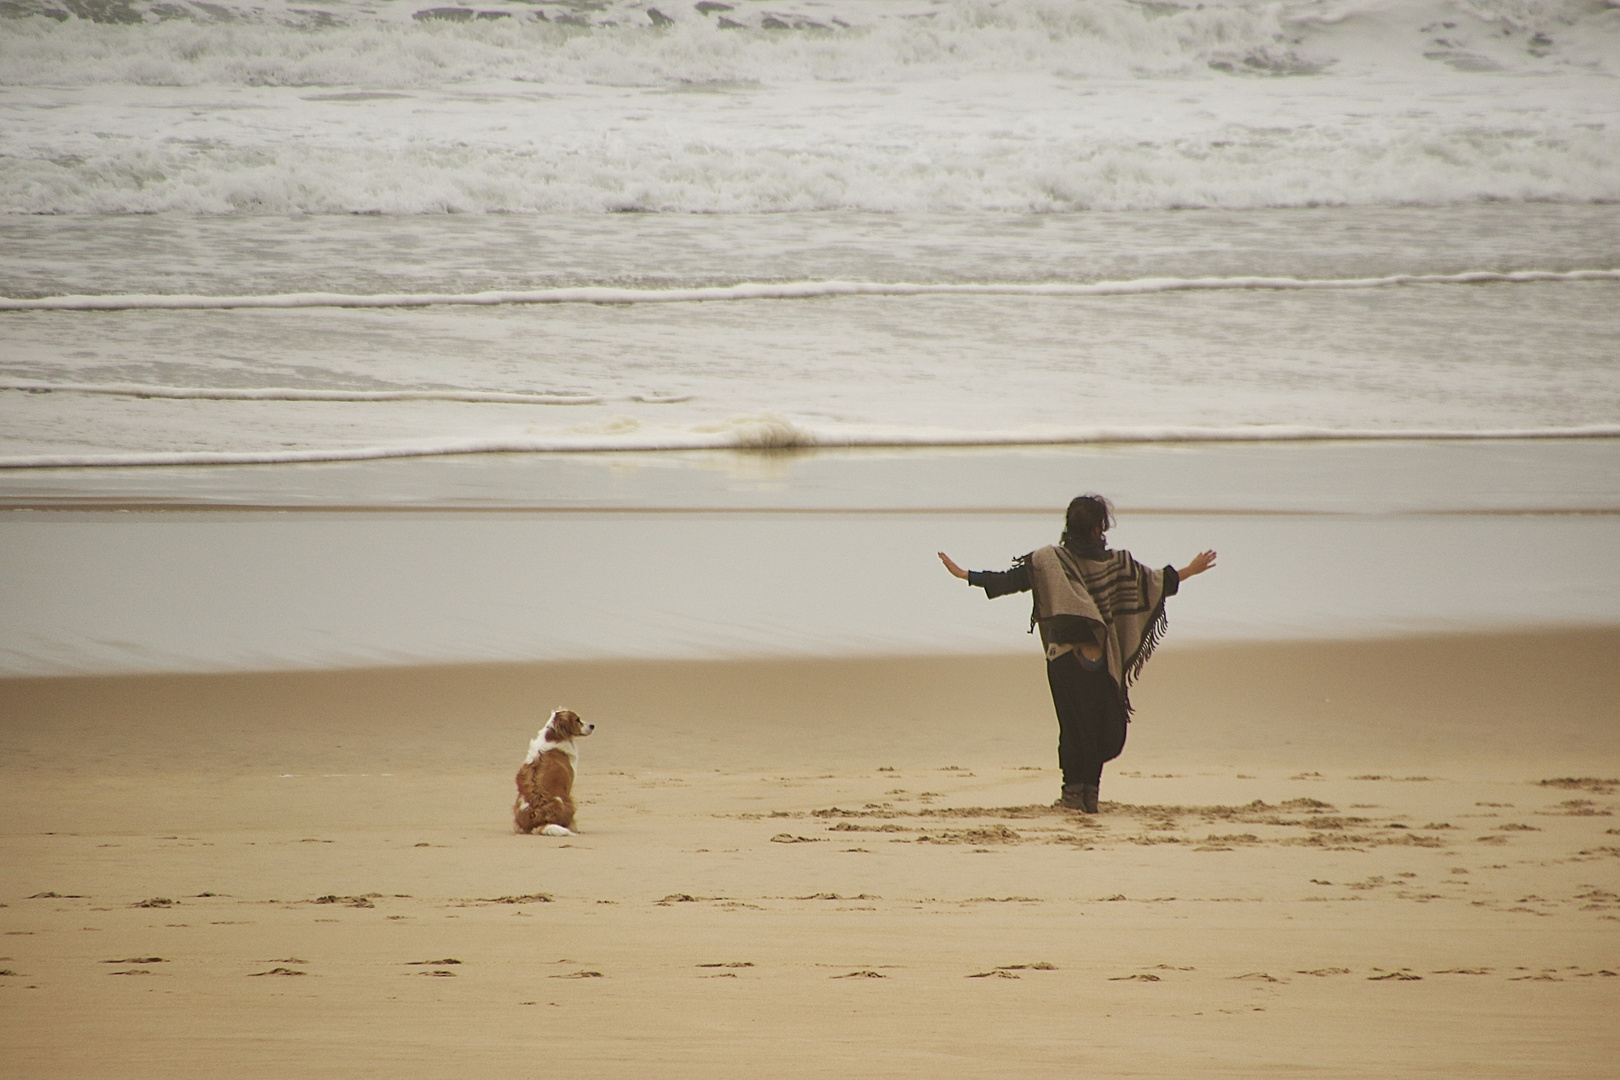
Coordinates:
1116 598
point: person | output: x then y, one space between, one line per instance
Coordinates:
1100 614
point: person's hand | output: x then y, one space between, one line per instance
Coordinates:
956 571
1200 562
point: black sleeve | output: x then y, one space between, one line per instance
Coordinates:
1001 582
1172 581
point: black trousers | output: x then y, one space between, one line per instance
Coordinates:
1091 719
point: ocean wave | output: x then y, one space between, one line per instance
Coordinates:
174 43
792 290
663 170
1515 99
271 393
629 43
769 432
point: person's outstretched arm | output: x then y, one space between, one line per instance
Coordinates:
994 582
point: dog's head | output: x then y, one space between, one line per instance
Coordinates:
566 724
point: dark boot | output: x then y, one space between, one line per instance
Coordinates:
1088 798
1073 798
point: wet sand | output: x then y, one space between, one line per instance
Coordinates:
1382 858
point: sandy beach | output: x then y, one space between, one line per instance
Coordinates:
376 378
1383 858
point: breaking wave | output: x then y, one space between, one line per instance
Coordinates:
274 393
768 432
175 43
794 290
717 46
659 172
401 125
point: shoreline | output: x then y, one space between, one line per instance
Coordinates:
1156 479
90 506
773 433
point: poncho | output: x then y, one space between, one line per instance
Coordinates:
1121 601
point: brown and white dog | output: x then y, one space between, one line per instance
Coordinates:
545 802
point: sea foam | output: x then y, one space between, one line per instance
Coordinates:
272 393
883 106
629 43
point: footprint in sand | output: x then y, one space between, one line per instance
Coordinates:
1584 783
1005 971
526 898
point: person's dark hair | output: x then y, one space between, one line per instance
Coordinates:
1089 517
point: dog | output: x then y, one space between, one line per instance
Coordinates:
545 783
